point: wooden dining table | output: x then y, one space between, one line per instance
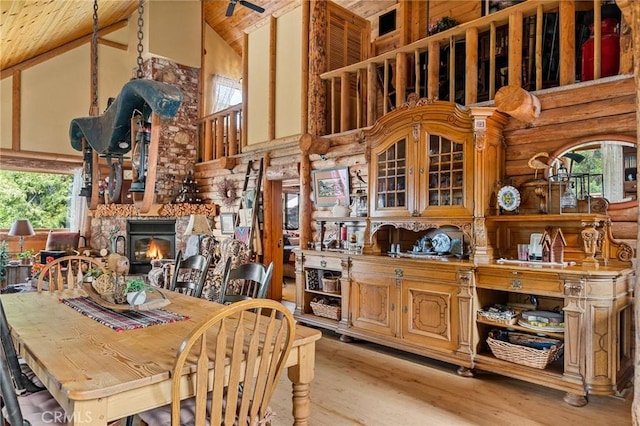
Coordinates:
99 375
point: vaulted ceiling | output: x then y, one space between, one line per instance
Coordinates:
30 28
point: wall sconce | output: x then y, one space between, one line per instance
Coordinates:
140 156
87 171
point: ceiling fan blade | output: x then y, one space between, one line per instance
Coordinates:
232 5
252 6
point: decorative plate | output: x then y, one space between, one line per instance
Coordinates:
508 198
441 243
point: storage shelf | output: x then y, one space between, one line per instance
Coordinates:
323 293
520 328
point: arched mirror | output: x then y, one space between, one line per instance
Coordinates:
608 164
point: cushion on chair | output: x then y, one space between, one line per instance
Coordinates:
41 409
63 241
238 252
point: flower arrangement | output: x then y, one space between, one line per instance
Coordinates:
135 285
37 268
442 24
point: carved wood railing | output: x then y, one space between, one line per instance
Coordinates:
361 93
221 133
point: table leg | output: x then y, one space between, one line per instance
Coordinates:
301 376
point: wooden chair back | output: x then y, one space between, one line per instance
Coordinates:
247 281
255 346
67 271
189 274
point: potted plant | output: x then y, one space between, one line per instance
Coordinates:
4 260
135 290
26 256
92 274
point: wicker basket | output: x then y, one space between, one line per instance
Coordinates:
326 311
330 282
525 355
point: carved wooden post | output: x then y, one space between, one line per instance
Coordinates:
567 42
317 65
515 48
471 75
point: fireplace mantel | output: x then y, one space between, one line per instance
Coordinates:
161 210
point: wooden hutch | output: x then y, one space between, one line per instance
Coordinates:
438 248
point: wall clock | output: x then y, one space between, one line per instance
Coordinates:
508 198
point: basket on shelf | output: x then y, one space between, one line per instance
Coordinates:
325 310
331 282
510 346
312 279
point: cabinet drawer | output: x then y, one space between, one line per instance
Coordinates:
518 281
323 262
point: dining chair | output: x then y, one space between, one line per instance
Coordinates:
189 274
67 272
248 351
247 281
35 404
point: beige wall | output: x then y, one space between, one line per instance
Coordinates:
5 113
257 110
289 74
219 59
174 31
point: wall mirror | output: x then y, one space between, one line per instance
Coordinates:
610 161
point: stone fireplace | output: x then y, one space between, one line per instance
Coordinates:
148 240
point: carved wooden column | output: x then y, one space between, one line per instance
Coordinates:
317 65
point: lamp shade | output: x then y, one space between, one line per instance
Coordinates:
198 225
21 227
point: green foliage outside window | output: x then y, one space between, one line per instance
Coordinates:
43 198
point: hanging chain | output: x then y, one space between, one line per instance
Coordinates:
94 57
139 73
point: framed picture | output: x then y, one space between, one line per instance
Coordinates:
331 186
227 223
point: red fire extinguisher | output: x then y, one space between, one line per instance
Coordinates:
609 47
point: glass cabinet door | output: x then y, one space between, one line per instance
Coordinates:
391 165
446 172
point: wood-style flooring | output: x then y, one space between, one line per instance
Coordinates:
365 384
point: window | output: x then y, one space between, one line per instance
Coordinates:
43 198
226 92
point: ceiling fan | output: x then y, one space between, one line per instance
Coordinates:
232 5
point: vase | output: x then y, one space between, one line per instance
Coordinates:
136 298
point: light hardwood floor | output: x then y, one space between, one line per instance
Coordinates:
364 384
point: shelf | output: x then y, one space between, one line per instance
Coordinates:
520 328
323 293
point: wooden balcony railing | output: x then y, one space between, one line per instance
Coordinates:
531 45
221 133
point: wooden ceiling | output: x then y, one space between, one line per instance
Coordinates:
30 28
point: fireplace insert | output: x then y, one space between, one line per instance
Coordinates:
148 240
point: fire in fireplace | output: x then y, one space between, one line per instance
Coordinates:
148 240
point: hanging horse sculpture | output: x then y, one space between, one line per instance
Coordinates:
110 135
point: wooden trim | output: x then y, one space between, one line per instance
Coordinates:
304 102
115 45
492 60
371 93
471 74
433 68
539 18
207 150
219 123
401 78
272 79
60 50
16 110
245 89
344 102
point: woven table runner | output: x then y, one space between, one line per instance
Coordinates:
123 320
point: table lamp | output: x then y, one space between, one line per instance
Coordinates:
198 225
21 228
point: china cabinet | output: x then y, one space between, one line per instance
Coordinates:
441 249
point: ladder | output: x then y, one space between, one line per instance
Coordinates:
250 216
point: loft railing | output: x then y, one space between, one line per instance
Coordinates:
496 53
221 133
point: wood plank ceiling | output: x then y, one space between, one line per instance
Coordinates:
30 28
